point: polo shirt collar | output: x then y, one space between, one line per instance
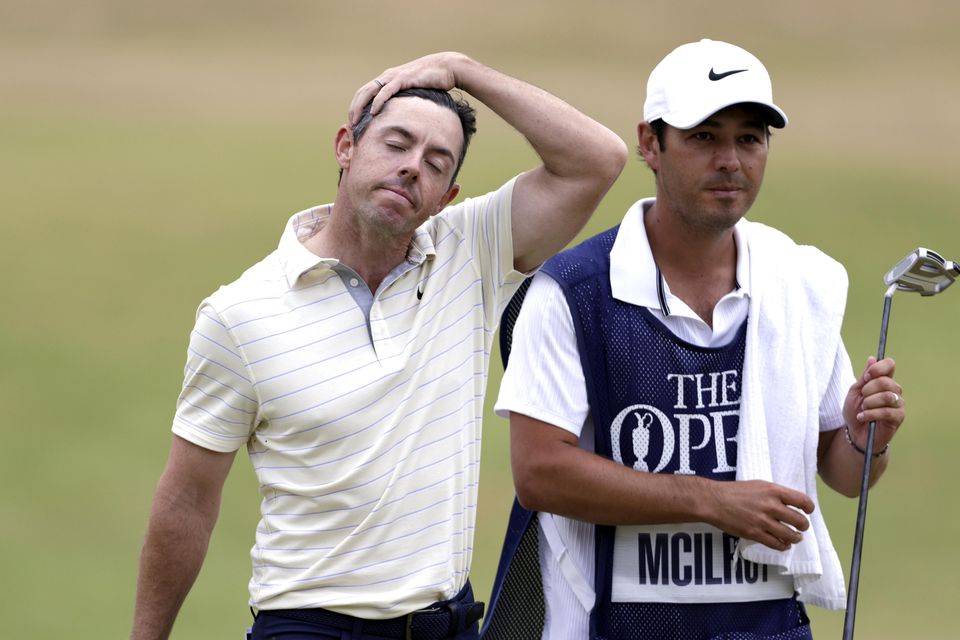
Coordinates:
634 275
296 259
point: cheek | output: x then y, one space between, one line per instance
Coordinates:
757 163
438 204
435 187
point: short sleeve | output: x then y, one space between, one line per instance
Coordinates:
544 377
841 379
486 225
217 408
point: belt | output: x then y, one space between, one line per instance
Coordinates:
439 621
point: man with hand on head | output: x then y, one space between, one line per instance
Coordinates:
676 383
352 363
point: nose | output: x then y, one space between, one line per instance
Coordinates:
410 170
726 158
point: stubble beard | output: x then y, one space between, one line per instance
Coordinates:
376 219
708 215
704 221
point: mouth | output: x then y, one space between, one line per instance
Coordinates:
401 192
725 190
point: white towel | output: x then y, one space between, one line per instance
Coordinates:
797 299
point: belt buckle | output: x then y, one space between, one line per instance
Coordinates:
408 632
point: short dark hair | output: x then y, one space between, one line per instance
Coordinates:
659 128
466 114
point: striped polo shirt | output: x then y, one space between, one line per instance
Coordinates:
364 435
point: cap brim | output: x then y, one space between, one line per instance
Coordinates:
774 116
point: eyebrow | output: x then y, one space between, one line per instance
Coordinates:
409 137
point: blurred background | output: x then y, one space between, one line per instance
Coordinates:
150 152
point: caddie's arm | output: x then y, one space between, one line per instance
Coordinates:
581 158
185 508
874 396
553 474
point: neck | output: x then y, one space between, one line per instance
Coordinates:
370 253
700 266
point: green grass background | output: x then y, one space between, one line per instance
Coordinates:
151 151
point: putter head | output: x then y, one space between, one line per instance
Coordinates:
923 271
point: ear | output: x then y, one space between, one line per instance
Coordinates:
448 197
648 146
343 146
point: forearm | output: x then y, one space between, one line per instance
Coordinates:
874 397
841 465
570 143
580 161
569 481
173 552
552 473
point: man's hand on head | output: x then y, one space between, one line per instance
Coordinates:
434 71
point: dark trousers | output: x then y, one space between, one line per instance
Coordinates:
454 619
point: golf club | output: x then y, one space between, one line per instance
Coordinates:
925 272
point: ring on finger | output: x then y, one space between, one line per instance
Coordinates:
380 83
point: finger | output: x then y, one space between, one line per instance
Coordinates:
864 375
785 534
885 367
774 543
363 95
760 534
385 91
879 385
797 499
795 519
887 417
885 398
778 542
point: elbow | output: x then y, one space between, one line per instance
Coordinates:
599 163
849 489
535 483
614 159
531 497
848 492
526 486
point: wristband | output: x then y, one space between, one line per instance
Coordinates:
882 452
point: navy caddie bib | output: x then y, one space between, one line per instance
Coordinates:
662 405
677 412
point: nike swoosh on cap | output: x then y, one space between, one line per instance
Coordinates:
720 76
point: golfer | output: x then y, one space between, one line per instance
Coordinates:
676 383
351 363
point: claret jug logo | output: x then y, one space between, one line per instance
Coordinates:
677 439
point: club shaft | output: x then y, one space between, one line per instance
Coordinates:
851 613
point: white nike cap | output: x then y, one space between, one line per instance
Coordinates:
698 79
